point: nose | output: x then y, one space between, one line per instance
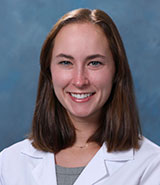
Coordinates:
80 78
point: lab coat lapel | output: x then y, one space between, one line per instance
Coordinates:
94 171
44 172
103 165
42 165
115 160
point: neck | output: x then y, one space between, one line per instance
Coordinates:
84 129
83 134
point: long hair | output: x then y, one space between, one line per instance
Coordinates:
119 126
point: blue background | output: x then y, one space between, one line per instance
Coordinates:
24 25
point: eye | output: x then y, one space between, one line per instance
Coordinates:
95 63
65 62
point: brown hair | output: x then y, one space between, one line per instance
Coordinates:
119 125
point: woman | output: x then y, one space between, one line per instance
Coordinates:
85 127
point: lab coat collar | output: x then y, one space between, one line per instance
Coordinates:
97 169
29 150
44 166
119 155
44 172
101 166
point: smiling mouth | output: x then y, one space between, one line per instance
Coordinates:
81 95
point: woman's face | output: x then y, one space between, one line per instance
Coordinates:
82 69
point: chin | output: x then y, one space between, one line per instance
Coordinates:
83 115
80 115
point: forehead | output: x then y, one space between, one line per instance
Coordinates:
83 36
82 26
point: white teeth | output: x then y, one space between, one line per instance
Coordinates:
81 96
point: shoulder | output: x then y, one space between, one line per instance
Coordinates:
10 158
148 157
148 148
16 147
148 152
22 148
17 162
12 155
14 150
19 155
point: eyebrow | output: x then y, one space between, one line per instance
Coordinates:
64 56
90 57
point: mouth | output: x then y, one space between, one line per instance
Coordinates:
81 96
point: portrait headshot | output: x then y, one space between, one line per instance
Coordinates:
80 95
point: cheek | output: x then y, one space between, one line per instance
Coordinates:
60 79
103 81
104 86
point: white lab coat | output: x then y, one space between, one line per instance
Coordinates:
22 164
